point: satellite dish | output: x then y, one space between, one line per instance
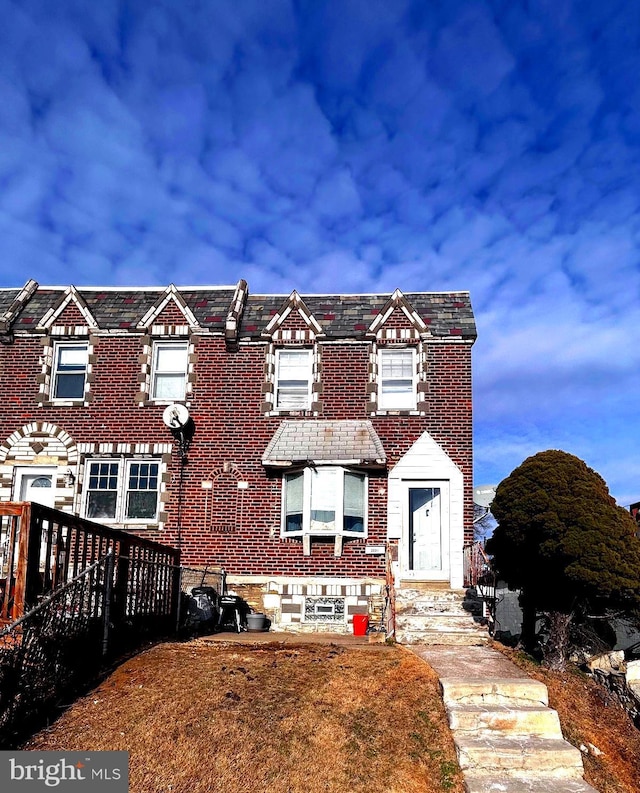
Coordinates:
175 416
484 495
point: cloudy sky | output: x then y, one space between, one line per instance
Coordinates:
355 146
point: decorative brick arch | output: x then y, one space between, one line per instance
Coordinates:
39 443
39 438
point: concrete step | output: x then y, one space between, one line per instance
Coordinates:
442 598
513 692
518 757
507 738
483 720
448 607
445 638
411 589
537 784
437 621
436 616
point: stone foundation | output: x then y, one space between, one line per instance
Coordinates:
312 605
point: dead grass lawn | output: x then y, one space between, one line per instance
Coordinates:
200 717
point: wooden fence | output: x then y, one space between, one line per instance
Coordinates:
42 549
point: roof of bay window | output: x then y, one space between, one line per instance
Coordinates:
440 315
324 443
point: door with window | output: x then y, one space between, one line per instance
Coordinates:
426 531
36 484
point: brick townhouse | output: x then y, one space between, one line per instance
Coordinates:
323 430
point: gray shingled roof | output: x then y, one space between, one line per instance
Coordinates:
446 315
354 442
124 308
7 296
343 316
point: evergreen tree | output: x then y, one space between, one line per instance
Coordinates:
565 544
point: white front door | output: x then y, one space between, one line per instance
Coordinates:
426 531
35 483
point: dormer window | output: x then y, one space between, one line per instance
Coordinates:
169 371
293 379
70 370
397 379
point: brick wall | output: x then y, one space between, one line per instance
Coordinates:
239 529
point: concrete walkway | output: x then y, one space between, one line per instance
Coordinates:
507 738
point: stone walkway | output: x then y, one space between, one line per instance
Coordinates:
507 738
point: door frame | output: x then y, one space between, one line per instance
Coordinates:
22 471
445 527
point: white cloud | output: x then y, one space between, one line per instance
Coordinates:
359 146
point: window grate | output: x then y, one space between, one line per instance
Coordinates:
324 609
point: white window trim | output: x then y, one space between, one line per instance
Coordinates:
384 402
279 353
157 343
57 346
339 500
124 464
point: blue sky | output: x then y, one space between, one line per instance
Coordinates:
355 146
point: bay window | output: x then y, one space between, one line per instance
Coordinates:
327 500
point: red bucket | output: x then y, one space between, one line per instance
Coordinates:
360 624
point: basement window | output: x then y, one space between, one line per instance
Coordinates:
324 609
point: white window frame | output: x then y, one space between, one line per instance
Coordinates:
315 529
122 489
174 374
288 391
58 369
394 400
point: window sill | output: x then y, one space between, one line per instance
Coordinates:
337 539
65 403
307 412
128 525
398 412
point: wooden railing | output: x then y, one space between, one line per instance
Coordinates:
390 594
42 549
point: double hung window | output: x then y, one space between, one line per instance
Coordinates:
293 379
70 361
169 371
122 490
397 379
325 501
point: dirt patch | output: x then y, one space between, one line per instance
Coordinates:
198 717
